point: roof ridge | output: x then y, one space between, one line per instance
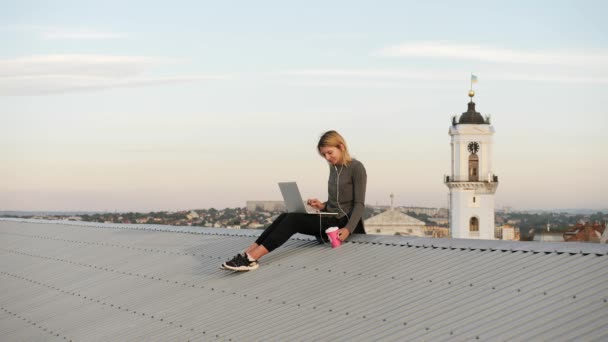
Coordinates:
387 240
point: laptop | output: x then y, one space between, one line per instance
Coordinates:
293 200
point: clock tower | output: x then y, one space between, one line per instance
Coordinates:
472 182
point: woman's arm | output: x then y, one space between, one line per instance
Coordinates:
359 184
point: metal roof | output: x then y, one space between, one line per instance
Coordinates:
86 281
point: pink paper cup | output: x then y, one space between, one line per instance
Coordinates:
332 233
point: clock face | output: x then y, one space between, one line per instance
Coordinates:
473 147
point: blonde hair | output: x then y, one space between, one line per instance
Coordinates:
334 139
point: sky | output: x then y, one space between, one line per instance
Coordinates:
150 105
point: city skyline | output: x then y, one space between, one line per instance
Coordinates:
139 107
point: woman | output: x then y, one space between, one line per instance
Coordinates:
346 197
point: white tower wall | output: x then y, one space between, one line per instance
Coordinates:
464 208
471 198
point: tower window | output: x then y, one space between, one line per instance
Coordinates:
473 199
473 167
474 224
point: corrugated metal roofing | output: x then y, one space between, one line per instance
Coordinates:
82 281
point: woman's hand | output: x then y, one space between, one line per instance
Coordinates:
343 233
315 203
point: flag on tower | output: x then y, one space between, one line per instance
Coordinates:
473 78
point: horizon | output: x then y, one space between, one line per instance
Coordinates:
204 104
577 211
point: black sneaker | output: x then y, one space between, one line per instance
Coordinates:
223 265
240 263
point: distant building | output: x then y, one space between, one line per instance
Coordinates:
192 215
442 212
585 232
499 219
266 206
508 233
549 236
393 222
472 182
436 232
507 209
439 220
420 211
255 225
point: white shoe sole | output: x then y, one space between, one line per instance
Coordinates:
241 268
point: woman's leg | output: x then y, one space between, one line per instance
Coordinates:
268 231
277 234
251 247
318 229
293 223
254 249
257 252
297 224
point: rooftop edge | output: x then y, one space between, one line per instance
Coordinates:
388 240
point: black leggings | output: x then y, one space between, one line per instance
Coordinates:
290 223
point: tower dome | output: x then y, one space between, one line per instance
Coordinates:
471 116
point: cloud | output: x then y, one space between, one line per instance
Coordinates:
80 34
414 74
63 33
591 57
546 77
100 65
396 77
363 78
52 74
342 84
48 85
339 36
497 64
